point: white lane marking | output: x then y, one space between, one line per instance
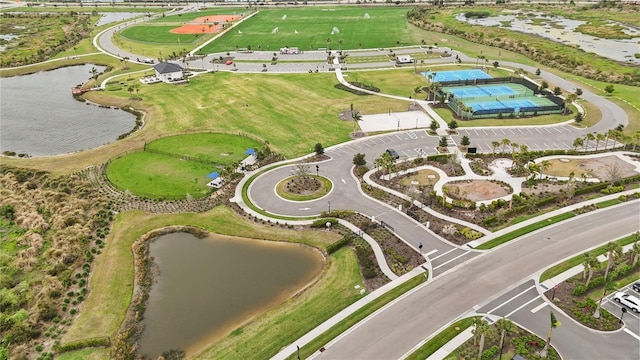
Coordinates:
343 181
523 305
437 257
631 333
454 259
432 252
513 298
539 307
304 209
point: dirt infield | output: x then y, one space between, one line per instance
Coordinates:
205 25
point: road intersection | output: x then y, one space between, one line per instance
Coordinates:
463 279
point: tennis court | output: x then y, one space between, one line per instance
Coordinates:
515 104
480 91
456 75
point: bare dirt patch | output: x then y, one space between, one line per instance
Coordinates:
599 168
478 190
205 25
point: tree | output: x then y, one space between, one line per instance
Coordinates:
359 159
477 323
496 64
130 90
356 116
599 137
579 117
554 324
544 165
319 149
465 141
388 162
505 142
568 100
434 125
483 329
589 263
614 251
557 91
578 92
494 146
614 173
506 328
538 72
589 137
443 141
136 87
301 170
94 73
453 125
609 89
635 248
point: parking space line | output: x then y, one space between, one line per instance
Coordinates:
631 333
539 307
513 298
522 306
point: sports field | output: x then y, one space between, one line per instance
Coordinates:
315 28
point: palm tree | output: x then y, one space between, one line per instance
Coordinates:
636 139
356 116
514 147
494 146
589 263
554 324
481 328
94 73
506 328
388 162
589 137
578 142
544 165
130 90
477 323
136 87
600 137
505 142
614 251
635 248
568 100
534 168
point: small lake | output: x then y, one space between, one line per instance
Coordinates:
39 116
562 30
209 287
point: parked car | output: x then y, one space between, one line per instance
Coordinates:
636 286
627 300
148 61
393 154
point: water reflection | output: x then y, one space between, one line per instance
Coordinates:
209 287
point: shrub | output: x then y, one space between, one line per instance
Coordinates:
612 189
322 223
338 244
580 289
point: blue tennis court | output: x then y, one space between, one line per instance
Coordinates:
457 75
480 91
502 104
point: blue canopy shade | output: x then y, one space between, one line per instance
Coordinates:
250 151
214 175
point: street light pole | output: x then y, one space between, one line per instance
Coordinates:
553 295
624 311
329 206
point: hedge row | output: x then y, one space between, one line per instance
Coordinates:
81 344
338 245
621 271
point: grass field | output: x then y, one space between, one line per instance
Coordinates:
220 149
386 27
158 176
159 34
181 18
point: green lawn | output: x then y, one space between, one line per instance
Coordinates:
216 148
386 27
194 15
441 339
159 34
158 176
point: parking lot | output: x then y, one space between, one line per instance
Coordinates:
630 318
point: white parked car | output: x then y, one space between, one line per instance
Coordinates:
627 300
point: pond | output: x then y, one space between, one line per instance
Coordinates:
560 29
40 117
208 287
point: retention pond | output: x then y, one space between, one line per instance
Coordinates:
208 287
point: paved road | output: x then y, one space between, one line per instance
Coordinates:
416 317
525 305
